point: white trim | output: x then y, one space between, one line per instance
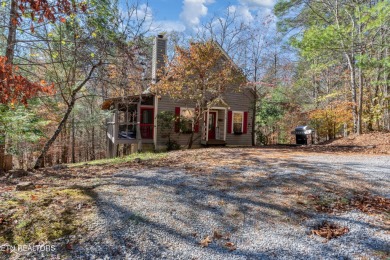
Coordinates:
225 125
155 121
242 121
218 108
138 131
116 124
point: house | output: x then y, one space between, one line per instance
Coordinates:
134 121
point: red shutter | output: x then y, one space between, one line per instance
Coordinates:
245 130
230 121
196 125
177 121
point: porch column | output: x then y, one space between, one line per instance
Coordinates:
115 130
225 125
138 134
207 125
109 148
155 126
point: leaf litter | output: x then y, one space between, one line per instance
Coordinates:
329 230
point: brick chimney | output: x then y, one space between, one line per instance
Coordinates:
159 53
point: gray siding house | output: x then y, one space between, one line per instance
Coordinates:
134 121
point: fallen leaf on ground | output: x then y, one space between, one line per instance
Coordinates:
206 241
231 246
217 235
329 230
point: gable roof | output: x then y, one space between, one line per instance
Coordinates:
217 102
226 55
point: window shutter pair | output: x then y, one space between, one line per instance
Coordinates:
230 122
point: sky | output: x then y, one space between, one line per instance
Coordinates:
187 15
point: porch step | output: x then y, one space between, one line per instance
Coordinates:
148 147
215 143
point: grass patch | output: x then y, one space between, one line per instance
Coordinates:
42 215
124 159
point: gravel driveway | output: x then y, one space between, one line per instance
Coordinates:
248 204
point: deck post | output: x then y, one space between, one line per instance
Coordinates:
115 130
109 148
155 126
225 125
138 134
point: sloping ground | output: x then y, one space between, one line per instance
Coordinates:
380 141
233 203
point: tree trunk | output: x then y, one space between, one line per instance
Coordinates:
191 140
65 139
73 141
386 92
361 81
9 53
360 109
11 39
93 157
48 144
351 65
71 104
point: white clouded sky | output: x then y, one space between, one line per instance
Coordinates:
194 10
258 3
168 26
181 15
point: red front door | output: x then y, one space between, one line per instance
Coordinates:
212 124
147 123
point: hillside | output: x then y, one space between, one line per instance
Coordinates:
380 141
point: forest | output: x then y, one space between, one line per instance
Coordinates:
320 63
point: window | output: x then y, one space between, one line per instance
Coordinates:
127 119
238 122
127 114
187 119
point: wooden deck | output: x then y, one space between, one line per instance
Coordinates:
214 142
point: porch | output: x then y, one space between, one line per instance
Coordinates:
131 125
214 128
